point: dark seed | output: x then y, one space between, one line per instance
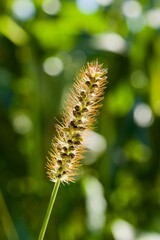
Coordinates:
71 155
81 128
80 99
64 154
59 162
73 124
83 94
70 141
76 113
92 78
88 83
77 142
59 147
77 108
85 110
65 149
71 148
77 135
79 121
97 79
94 85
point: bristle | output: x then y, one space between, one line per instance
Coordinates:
79 115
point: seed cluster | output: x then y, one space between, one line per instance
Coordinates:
78 117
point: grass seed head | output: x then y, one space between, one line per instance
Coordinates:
79 114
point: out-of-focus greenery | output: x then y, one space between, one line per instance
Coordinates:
43 44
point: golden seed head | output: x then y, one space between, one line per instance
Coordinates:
78 117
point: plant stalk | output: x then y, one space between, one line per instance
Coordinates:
49 210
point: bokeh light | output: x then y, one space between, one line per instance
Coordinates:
143 116
136 24
149 236
53 66
87 7
153 18
22 124
138 79
96 145
95 203
105 2
95 142
23 9
123 230
131 9
112 42
51 7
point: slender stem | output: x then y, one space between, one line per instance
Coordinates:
49 210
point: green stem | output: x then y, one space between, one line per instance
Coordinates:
49 210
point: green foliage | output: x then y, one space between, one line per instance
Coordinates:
40 54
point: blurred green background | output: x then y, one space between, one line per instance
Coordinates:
43 44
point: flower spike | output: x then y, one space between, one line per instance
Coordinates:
78 117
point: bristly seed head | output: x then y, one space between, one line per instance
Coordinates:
79 115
